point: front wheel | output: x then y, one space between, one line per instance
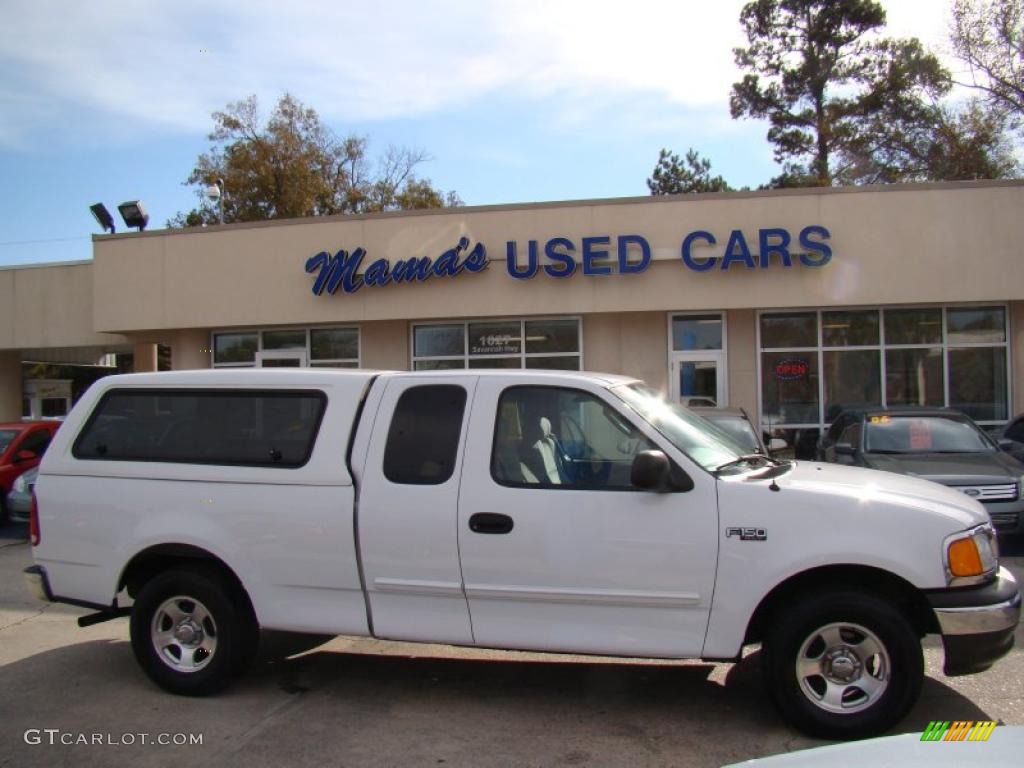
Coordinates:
192 631
843 665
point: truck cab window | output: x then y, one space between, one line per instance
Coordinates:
424 435
565 438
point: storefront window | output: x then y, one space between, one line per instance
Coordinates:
849 329
235 348
914 376
335 344
495 339
439 340
696 332
495 362
975 326
284 339
550 336
852 378
955 357
552 363
913 326
977 382
438 365
323 347
799 329
544 343
789 387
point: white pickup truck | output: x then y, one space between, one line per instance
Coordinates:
549 511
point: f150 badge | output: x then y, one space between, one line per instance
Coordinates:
747 534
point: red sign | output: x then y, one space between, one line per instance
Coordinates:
791 369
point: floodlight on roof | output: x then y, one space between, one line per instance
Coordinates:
102 216
134 214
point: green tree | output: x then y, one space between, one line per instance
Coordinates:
293 165
674 175
941 144
817 71
988 36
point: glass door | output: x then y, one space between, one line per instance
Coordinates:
698 378
294 357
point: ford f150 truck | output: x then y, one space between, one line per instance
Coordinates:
549 511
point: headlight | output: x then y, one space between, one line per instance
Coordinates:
20 485
972 555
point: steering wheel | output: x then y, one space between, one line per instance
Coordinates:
587 469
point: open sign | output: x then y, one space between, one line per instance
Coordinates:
791 369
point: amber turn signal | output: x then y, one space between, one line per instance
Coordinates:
964 558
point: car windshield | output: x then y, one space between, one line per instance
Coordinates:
887 433
739 429
698 438
6 436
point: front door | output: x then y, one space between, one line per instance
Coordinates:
698 378
558 551
282 358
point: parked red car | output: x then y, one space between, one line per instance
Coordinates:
22 444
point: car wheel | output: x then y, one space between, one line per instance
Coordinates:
192 631
843 665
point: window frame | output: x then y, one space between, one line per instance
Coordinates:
559 487
459 436
310 362
944 345
522 356
156 393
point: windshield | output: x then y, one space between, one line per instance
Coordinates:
698 438
6 436
923 434
739 429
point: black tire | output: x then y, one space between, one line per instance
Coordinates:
863 693
4 518
220 637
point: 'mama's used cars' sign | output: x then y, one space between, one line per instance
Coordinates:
700 251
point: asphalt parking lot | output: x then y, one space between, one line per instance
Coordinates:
345 701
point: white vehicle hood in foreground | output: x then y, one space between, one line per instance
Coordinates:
869 486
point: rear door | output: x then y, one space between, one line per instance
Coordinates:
407 509
559 551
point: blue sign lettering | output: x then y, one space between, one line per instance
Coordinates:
704 264
780 248
771 241
699 251
594 256
342 269
562 257
625 265
737 250
815 246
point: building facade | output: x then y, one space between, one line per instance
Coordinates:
791 304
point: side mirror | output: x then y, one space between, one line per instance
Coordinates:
844 449
777 444
652 471
21 456
1006 444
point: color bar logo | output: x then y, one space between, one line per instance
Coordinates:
958 730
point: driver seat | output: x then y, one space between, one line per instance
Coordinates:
548 456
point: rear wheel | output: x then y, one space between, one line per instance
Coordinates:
192 630
843 665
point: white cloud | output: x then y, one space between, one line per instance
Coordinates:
141 63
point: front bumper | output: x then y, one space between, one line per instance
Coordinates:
977 623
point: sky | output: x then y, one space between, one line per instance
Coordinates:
514 100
